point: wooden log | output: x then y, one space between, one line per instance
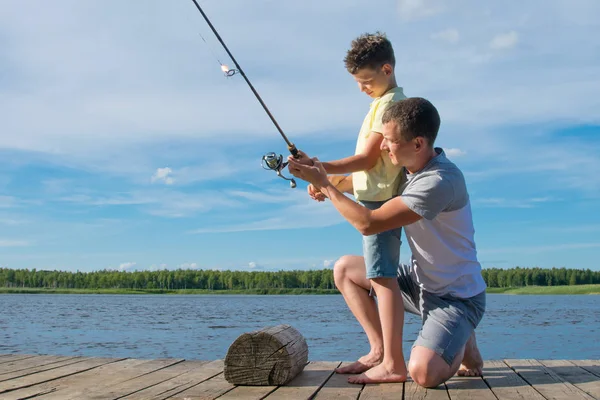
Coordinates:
270 356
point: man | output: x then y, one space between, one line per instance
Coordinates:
443 284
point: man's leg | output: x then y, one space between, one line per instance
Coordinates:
447 336
472 363
350 278
391 312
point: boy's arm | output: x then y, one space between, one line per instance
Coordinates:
345 185
359 162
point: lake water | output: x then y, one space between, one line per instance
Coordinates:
202 327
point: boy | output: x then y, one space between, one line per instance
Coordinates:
374 180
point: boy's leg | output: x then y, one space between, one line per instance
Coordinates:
382 257
446 337
349 276
391 312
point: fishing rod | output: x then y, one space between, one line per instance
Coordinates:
270 161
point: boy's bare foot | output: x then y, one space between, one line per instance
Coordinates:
363 364
381 374
472 364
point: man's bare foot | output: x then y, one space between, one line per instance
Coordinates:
472 364
363 364
381 374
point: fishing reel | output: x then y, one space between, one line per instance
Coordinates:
273 162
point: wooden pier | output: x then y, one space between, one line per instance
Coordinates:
45 377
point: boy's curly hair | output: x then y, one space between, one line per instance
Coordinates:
369 51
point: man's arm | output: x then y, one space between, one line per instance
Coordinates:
393 214
359 162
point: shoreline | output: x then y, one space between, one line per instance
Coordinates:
526 290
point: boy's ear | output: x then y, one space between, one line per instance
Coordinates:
387 69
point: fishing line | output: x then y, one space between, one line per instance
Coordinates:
270 160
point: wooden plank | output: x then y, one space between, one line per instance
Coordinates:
468 388
114 383
338 387
13 357
66 384
180 383
413 391
53 374
591 366
382 391
248 392
19 372
11 367
506 384
207 390
548 383
307 382
579 377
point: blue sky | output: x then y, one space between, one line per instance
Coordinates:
123 146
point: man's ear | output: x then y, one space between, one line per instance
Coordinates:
420 143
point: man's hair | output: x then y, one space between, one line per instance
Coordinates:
369 51
415 117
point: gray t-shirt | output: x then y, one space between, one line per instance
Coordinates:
444 257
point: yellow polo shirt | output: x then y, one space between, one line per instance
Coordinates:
382 181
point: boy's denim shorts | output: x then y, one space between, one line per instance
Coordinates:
381 250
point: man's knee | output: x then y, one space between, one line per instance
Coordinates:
427 368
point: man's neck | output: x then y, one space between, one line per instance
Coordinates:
422 161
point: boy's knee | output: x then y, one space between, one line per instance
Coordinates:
340 269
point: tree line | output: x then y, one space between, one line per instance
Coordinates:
245 280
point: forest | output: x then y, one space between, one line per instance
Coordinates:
182 279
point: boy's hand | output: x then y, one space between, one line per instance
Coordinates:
303 158
315 193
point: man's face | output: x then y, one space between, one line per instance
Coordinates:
401 152
373 82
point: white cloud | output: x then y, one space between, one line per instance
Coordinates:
511 203
328 263
162 203
454 153
188 266
162 175
505 40
448 35
7 202
254 266
127 265
415 9
302 213
14 243
12 221
540 249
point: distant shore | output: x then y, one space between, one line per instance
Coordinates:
552 290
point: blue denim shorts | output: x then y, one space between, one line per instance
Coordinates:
381 250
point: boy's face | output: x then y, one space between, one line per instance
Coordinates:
374 82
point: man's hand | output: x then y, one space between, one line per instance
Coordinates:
315 174
303 158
